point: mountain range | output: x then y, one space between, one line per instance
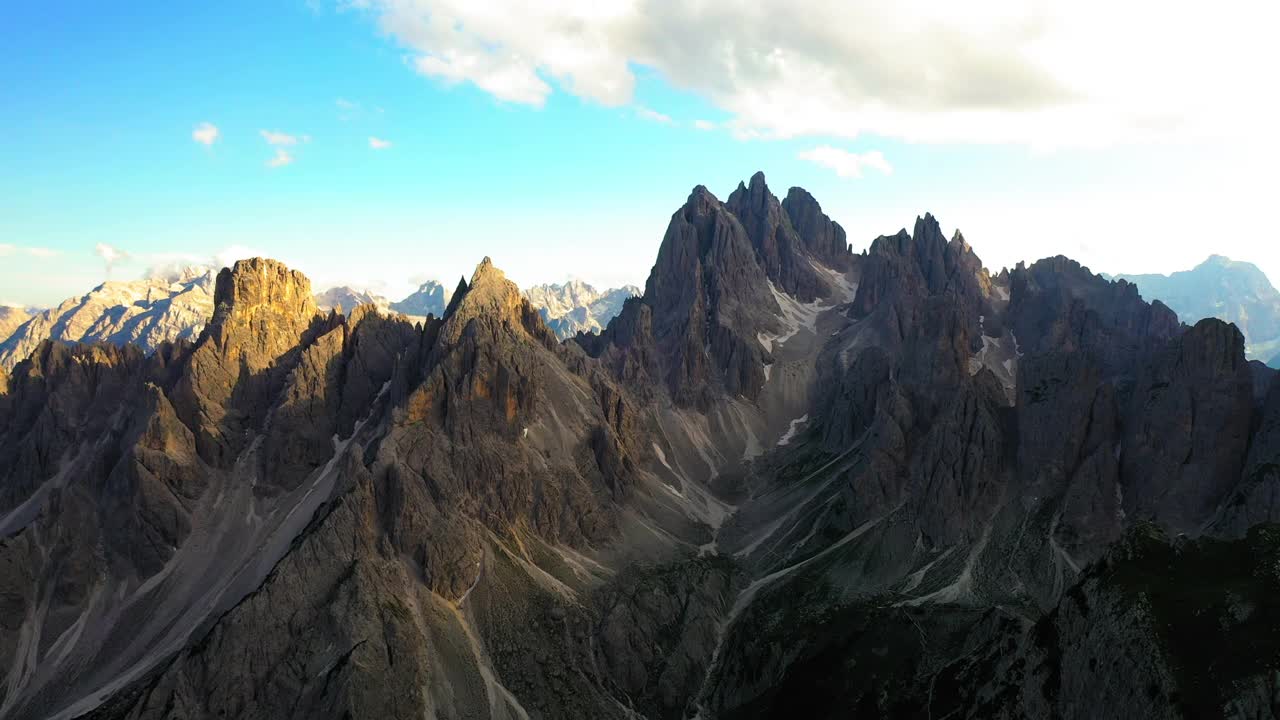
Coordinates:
146 313
573 307
344 298
1237 292
785 480
174 306
431 298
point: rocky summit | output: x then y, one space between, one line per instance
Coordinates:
785 480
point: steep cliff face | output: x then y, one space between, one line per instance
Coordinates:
1188 431
264 316
785 480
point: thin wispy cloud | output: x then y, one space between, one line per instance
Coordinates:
704 125
280 159
847 164
345 104
7 250
206 133
379 143
275 137
654 115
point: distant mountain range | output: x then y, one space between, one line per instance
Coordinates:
430 298
143 312
1237 292
176 305
349 299
573 307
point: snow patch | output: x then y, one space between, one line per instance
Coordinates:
791 431
796 316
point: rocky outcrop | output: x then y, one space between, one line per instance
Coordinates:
145 313
1188 429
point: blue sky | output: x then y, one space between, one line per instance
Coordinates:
511 138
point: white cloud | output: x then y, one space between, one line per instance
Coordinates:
345 104
110 255
282 158
205 133
654 115
379 143
847 164
704 125
1032 72
275 137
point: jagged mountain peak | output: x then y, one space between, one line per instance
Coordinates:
700 202
756 189
493 299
